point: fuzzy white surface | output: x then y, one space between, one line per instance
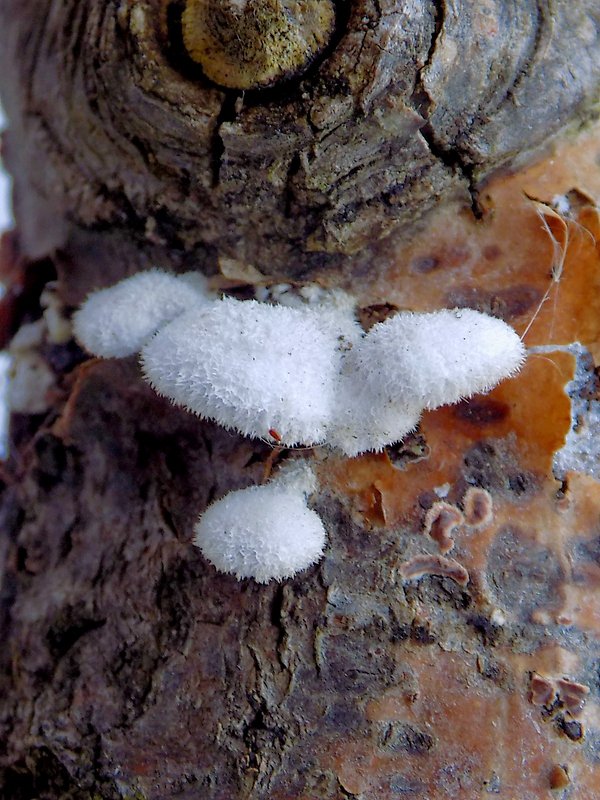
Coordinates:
116 322
366 418
299 373
428 360
416 361
262 532
312 376
250 366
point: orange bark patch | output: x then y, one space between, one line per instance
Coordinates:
532 409
477 736
564 529
490 719
503 263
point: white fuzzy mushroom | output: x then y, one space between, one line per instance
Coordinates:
263 532
263 370
115 322
303 373
429 360
416 361
306 376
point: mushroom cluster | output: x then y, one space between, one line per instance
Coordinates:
293 375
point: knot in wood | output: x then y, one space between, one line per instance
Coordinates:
254 44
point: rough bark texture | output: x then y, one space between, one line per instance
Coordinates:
111 126
130 668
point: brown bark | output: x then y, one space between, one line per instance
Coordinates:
111 126
130 668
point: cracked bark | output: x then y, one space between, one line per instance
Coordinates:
130 668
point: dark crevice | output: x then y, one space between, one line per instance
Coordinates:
293 170
323 135
30 282
420 99
524 72
40 775
228 113
21 559
453 159
277 606
278 621
355 66
168 520
175 50
262 734
63 636
378 11
66 541
211 494
134 672
346 793
563 489
422 104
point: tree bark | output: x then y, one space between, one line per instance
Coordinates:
130 667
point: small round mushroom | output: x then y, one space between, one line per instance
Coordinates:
262 532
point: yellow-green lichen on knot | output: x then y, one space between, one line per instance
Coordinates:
253 44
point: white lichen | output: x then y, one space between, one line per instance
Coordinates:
116 322
581 450
263 532
30 379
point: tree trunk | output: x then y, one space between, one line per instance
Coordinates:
130 667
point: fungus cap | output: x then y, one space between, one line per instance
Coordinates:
262 532
428 360
249 366
116 322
